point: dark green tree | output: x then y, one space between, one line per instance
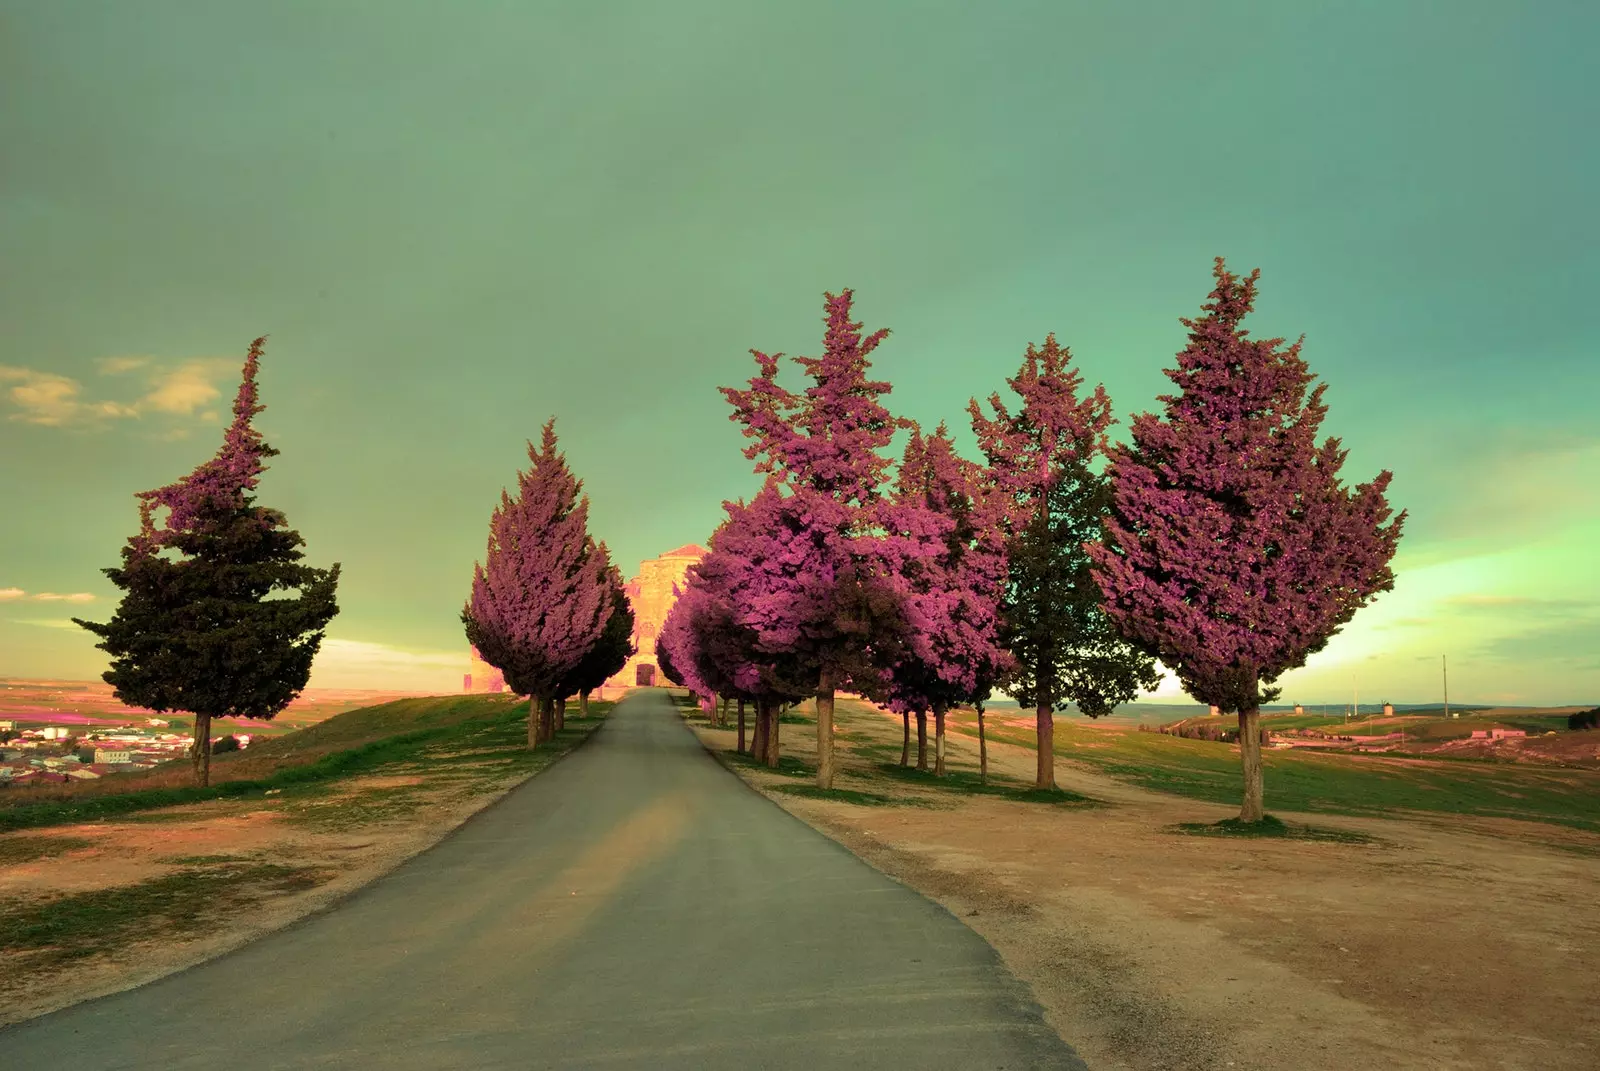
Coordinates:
1046 467
219 617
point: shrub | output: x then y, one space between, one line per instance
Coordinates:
1587 719
227 743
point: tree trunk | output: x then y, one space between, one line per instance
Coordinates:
1047 748
535 705
825 732
922 740
1250 758
758 740
583 703
983 750
938 741
202 750
561 714
741 726
547 720
905 738
722 713
774 740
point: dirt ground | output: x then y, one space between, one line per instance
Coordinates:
1449 944
124 852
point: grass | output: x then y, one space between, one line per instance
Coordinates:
1327 783
968 783
59 929
842 795
1270 827
14 850
409 733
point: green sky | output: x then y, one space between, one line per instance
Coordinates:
455 220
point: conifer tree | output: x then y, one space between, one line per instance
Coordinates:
207 629
541 599
952 655
1232 551
826 611
1051 500
611 651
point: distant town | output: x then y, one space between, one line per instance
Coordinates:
57 753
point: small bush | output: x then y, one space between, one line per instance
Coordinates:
227 743
1587 719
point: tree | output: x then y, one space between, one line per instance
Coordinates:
954 571
712 647
1050 500
1233 552
541 599
197 631
614 647
825 611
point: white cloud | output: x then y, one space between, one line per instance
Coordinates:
15 594
345 663
53 400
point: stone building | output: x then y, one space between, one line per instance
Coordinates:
481 676
651 593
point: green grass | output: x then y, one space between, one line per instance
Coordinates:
1270 827
787 764
1326 783
14 850
59 929
405 734
842 795
967 783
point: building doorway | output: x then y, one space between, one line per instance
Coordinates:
644 675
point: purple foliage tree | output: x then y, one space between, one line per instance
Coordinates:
722 649
953 567
822 609
1049 499
541 599
1233 552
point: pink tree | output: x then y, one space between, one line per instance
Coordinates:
1049 499
541 599
821 608
1233 552
953 567
750 571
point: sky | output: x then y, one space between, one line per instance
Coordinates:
455 221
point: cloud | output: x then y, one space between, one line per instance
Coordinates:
184 389
16 594
345 663
113 366
53 400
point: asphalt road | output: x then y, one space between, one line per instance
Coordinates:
634 906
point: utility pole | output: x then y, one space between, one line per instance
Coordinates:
1444 663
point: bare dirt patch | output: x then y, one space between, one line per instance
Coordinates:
1443 944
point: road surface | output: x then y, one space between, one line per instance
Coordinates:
635 906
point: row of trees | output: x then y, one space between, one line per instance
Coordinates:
548 608
1219 542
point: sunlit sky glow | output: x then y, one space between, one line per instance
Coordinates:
455 220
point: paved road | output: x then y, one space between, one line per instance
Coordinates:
634 906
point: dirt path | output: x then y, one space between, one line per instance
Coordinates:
1447 945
